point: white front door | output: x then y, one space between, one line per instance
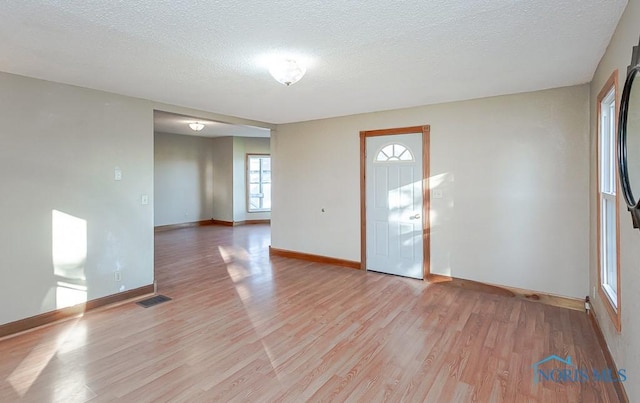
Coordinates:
394 197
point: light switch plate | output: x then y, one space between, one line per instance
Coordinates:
144 199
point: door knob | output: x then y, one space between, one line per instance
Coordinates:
414 217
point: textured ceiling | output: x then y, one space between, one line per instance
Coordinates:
165 122
362 56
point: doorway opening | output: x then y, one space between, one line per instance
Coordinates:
204 175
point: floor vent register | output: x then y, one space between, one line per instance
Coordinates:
158 299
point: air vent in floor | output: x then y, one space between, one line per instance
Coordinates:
158 299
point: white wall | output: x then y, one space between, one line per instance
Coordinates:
241 147
624 346
183 179
513 171
223 178
60 146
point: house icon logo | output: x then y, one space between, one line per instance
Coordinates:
537 372
566 371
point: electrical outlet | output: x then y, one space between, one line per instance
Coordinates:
117 275
117 174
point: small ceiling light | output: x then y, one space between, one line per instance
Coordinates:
196 126
287 71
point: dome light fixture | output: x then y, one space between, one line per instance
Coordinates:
287 71
196 126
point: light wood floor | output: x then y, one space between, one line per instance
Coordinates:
244 327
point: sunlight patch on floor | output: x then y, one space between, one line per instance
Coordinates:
24 376
231 253
239 273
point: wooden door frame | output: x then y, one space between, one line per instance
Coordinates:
426 200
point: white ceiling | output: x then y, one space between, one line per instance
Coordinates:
362 56
166 122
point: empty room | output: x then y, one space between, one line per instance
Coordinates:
320 201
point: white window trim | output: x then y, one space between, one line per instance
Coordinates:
248 175
607 175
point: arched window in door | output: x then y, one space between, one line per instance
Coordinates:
393 152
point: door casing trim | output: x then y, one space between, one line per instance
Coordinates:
426 200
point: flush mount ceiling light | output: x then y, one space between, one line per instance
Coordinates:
287 71
196 126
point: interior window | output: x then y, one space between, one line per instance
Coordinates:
258 183
608 273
